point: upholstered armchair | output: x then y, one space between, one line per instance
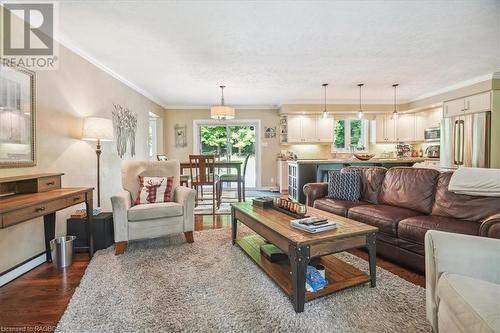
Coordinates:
153 220
462 282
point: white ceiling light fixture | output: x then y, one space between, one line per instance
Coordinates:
222 112
325 113
360 112
395 112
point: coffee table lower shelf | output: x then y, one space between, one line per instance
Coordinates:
340 275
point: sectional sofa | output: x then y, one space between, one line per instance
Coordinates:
404 203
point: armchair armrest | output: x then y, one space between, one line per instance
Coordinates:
121 203
315 191
186 197
471 256
490 227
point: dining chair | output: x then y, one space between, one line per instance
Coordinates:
184 179
232 178
202 169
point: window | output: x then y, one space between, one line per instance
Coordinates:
351 134
152 136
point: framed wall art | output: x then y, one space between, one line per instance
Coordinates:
17 117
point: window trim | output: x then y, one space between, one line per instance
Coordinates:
347 136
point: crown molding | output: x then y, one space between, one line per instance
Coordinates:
72 46
458 85
207 107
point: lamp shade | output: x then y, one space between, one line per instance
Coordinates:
221 112
97 129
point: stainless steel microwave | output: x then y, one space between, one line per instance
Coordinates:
432 134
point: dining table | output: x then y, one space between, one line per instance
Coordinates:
223 164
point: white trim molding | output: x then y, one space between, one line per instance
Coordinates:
20 270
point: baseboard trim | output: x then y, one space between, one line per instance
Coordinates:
22 268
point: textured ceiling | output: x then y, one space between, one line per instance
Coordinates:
280 52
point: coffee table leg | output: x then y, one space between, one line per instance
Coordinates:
371 244
234 225
299 258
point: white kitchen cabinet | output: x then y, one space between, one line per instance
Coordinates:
309 129
324 129
385 128
294 129
405 127
478 103
454 108
434 118
470 104
421 121
283 176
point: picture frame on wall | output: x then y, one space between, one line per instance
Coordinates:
17 117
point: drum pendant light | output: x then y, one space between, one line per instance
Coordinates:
222 112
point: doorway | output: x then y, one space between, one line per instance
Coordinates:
233 141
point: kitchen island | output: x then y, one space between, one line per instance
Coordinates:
301 172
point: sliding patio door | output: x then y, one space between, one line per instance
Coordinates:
232 141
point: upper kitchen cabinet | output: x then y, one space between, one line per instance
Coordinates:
421 121
471 104
385 128
405 127
309 129
434 118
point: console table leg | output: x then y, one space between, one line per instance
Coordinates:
299 258
49 226
89 205
371 244
234 225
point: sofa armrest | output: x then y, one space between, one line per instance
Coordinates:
315 191
459 254
490 227
186 197
121 203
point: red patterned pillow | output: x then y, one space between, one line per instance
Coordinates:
154 190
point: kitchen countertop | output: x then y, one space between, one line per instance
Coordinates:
355 160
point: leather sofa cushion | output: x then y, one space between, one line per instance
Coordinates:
386 218
468 303
461 206
371 181
414 228
337 207
154 211
411 188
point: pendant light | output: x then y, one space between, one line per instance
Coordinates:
395 112
325 113
222 112
360 112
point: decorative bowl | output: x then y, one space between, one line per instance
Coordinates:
364 157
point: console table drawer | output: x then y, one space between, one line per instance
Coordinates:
77 198
49 183
29 213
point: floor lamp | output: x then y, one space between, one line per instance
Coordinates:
97 129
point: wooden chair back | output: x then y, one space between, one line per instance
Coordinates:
202 169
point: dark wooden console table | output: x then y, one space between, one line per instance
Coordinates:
26 197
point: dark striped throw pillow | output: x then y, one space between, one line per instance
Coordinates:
344 186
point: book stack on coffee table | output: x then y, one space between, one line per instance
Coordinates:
314 224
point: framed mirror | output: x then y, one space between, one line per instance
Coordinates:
17 117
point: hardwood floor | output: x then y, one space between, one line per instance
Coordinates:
38 299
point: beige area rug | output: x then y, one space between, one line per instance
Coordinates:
167 285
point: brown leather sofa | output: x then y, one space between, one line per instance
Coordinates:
406 202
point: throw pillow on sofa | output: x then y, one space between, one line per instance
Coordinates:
344 186
154 190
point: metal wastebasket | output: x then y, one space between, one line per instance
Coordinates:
61 249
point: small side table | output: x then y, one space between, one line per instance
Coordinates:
102 230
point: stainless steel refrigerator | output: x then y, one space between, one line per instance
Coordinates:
465 141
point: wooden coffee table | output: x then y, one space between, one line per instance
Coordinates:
302 247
